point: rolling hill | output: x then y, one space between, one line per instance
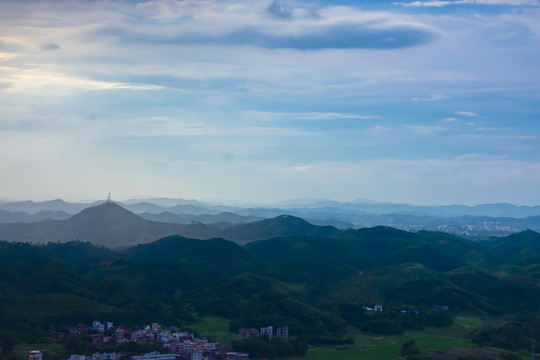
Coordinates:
215 251
283 225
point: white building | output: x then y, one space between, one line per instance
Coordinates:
196 355
77 357
269 330
104 356
99 327
154 355
35 355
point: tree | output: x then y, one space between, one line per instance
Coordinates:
78 344
409 348
7 342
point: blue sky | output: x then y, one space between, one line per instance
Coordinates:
425 102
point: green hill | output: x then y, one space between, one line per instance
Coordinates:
318 285
214 251
283 225
522 248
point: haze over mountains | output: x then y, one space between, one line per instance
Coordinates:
490 219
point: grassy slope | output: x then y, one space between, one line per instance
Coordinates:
388 347
214 328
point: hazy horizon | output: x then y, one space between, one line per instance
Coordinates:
417 102
232 202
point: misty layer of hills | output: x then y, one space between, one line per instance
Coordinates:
495 219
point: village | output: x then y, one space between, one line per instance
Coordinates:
176 344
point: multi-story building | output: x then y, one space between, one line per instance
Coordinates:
119 335
35 355
154 355
247 333
236 356
282 332
269 330
97 326
104 356
77 357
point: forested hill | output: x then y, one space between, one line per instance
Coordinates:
317 285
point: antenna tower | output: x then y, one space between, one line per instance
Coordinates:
109 198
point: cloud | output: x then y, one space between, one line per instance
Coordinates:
24 79
425 130
466 113
306 29
268 115
467 157
339 36
5 56
279 10
432 98
51 47
451 119
442 3
302 168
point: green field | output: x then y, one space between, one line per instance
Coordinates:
366 346
388 347
54 350
214 328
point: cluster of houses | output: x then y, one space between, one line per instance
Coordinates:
181 345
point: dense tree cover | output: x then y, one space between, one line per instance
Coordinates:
316 286
510 336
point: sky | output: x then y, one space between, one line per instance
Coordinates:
421 102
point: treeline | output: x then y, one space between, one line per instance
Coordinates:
393 320
510 336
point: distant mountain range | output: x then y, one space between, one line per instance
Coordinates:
105 224
491 219
111 225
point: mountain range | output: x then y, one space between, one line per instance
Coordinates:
494 219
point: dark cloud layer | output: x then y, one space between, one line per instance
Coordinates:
350 36
341 36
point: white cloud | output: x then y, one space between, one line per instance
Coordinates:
36 78
426 130
436 97
466 113
460 2
272 115
450 119
467 157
